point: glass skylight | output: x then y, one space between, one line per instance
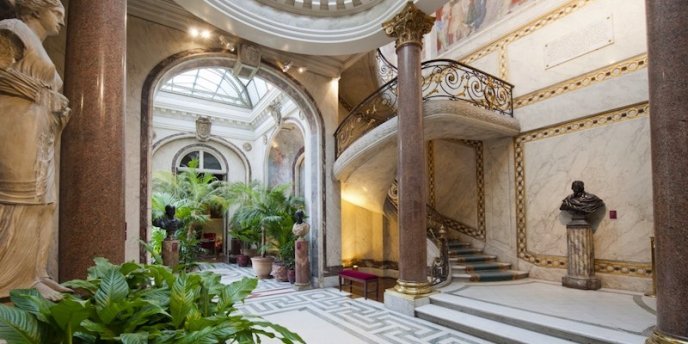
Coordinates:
219 85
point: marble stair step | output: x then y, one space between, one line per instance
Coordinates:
470 258
480 266
489 275
484 328
464 250
458 244
576 331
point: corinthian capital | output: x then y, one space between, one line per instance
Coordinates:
409 26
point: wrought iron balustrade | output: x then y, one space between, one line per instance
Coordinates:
442 79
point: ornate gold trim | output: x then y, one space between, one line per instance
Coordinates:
659 337
503 68
413 288
603 266
431 174
605 73
480 184
409 26
526 30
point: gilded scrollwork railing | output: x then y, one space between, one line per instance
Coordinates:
442 79
386 71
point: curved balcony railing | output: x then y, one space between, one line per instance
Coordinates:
386 71
442 79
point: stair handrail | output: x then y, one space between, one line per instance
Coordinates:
442 79
386 71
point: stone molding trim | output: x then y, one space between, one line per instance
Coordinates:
615 70
524 31
630 112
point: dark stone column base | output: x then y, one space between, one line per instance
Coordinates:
585 283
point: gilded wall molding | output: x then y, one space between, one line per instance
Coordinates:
602 74
526 30
610 117
479 232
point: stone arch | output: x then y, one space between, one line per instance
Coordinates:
314 139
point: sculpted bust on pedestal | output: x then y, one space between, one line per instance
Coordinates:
300 228
32 116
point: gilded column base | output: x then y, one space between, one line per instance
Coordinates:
416 289
658 337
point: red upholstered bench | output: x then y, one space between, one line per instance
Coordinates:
358 276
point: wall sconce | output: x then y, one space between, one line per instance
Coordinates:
204 34
226 44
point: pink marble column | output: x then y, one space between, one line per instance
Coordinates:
408 28
668 72
92 220
302 265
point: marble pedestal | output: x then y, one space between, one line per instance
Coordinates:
170 253
581 257
302 265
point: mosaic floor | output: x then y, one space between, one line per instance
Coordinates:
330 316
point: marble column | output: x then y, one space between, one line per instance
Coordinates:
668 73
92 220
581 257
408 28
302 265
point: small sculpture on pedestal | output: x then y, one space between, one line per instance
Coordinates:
302 265
170 246
579 238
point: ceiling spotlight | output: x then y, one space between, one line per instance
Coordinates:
194 32
205 34
302 69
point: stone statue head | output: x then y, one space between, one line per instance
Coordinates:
49 13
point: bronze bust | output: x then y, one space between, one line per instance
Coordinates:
169 223
581 203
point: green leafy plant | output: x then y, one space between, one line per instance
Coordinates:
136 303
262 208
195 195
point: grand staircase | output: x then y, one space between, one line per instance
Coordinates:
470 264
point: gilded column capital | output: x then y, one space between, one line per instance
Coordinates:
409 26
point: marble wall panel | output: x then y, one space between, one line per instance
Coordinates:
499 199
610 94
362 233
526 56
614 162
488 64
456 190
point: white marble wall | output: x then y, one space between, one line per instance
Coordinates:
614 162
500 224
456 187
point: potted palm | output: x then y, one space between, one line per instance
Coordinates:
269 211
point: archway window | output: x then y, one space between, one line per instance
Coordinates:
208 163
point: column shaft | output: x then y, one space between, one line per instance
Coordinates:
411 167
668 74
92 220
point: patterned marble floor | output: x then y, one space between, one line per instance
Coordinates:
330 316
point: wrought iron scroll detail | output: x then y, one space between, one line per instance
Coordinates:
386 71
442 79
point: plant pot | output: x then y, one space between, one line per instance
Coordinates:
291 275
279 271
242 260
262 266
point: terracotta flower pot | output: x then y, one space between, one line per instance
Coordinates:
279 271
291 275
262 266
